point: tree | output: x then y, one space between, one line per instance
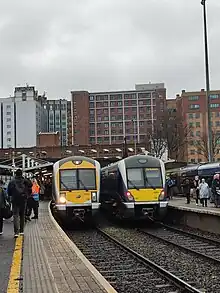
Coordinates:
202 144
157 141
177 134
169 134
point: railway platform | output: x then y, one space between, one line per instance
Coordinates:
45 260
195 216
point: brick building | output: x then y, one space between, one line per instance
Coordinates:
193 108
48 139
107 117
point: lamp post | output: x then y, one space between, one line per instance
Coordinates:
135 136
209 127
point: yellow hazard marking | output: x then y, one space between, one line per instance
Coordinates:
14 279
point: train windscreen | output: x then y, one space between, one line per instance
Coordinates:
144 178
68 180
77 179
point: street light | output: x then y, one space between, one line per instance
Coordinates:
209 127
135 136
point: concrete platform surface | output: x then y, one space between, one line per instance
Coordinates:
7 245
180 203
52 263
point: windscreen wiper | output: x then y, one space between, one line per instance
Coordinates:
150 183
132 183
67 188
86 188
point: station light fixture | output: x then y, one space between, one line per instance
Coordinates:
106 150
82 151
94 151
119 150
130 149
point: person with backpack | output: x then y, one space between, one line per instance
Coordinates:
19 189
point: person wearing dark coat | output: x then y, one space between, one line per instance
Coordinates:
186 189
19 189
3 199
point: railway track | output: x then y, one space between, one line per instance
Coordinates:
193 243
124 268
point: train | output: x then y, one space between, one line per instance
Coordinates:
206 171
134 188
76 188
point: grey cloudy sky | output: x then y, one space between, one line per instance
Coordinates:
98 45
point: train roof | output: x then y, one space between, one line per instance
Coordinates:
76 158
132 159
209 166
190 168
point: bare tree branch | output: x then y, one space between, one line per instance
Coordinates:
202 144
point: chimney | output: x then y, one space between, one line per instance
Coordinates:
183 91
202 90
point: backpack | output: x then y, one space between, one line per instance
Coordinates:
19 190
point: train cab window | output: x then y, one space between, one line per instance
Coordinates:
87 179
68 180
135 178
153 177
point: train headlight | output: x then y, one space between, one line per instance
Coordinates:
162 195
62 200
129 196
94 196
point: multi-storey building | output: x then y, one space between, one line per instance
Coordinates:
57 120
107 117
22 117
194 109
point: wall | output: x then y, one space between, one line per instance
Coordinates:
26 129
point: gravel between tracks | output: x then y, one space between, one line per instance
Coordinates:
125 273
193 270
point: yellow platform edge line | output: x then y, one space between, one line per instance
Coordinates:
14 279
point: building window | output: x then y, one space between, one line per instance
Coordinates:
217 123
197 124
214 105
8 107
91 98
193 160
8 119
191 124
194 106
24 96
106 125
190 116
198 133
8 113
193 98
197 115
9 139
213 97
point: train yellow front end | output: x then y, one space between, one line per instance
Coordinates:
76 187
135 188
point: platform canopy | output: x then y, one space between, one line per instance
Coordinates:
28 164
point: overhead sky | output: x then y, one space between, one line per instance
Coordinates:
101 45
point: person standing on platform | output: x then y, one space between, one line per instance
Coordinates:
196 186
186 189
216 190
34 200
203 192
3 199
19 189
42 191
